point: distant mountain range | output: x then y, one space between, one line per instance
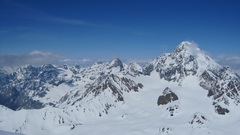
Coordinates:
180 93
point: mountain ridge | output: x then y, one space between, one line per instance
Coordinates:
168 88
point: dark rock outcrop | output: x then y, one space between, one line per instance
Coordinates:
117 63
17 89
198 121
220 110
112 83
167 97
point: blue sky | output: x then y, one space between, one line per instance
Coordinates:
127 29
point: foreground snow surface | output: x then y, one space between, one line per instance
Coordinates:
8 133
139 114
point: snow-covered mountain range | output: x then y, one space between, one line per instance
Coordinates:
180 93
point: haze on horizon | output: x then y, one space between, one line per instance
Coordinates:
80 32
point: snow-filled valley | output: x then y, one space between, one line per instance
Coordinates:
181 93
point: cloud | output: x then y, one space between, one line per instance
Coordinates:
229 60
34 58
86 60
236 58
82 62
141 62
39 58
70 21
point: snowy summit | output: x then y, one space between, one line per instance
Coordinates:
180 93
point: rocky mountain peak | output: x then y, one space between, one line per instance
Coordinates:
48 67
116 62
187 59
27 67
185 84
191 50
185 45
134 69
188 49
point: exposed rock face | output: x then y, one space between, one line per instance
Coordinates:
66 95
134 69
17 87
220 110
12 98
173 109
105 92
167 97
165 130
175 66
167 101
222 87
198 121
148 69
28 87
112 83
117 63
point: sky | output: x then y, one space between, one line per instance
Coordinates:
82 31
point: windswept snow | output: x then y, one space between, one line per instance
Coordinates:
112 98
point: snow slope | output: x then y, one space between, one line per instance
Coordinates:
180 93
8 133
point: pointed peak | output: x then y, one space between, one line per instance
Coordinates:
27 66
186 43
47 66
134 69
187 46
116 62
133 63
166 91
117 59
